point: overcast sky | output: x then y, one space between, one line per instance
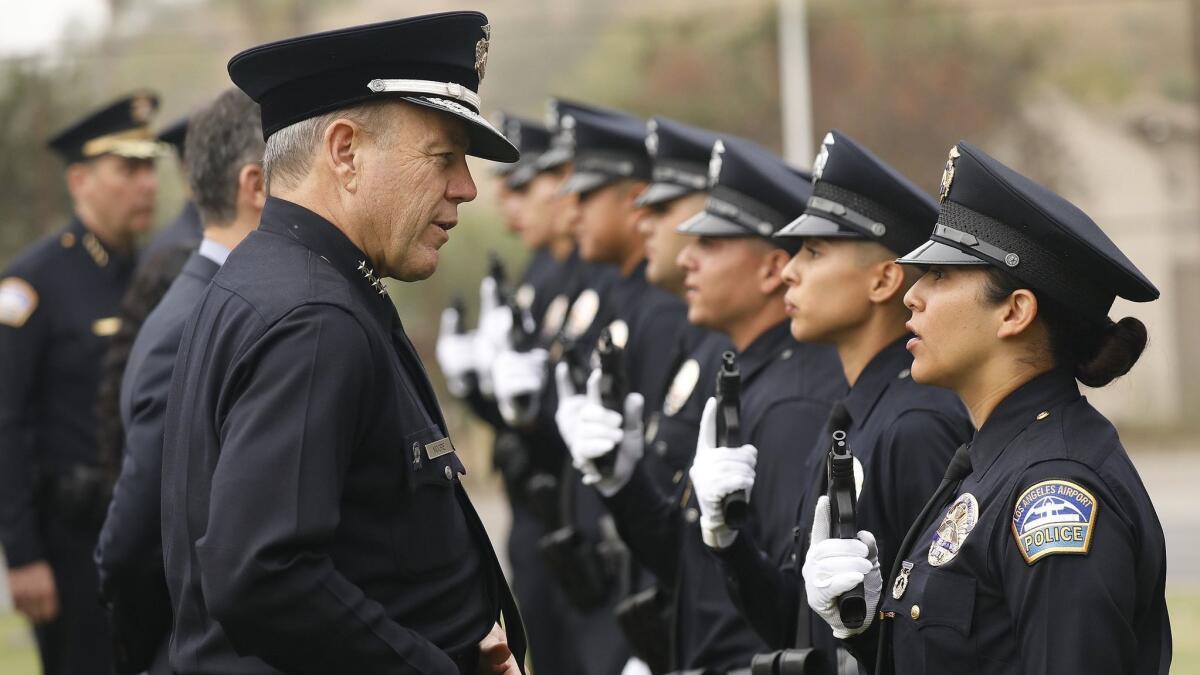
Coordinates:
35 26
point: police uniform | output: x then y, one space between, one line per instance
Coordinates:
313 517
902 433
185 230
787 389
1041 551
58 304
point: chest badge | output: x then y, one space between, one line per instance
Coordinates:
682 386
556 314
1054 516
583 312
619 330
901 583
960 519
524 296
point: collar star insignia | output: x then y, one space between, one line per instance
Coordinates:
481 51
369 275
948 174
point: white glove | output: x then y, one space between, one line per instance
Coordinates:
516 375
594 431
716 473
834 566
491 337
455 354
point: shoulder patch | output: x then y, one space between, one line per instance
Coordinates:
17 301
1054 516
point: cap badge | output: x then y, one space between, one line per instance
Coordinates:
652 138
141 108
481 51
714 163
822 157
948 174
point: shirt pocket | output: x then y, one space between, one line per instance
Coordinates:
941 611
431 530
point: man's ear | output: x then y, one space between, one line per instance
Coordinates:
887 281
1017 313
77 175
770 272
251 186
341 150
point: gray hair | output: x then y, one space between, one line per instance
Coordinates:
289 151
221 139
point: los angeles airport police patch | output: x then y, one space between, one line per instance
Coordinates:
960 519
1054 516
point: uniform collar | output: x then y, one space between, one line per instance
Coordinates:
892 363
322 237
107 259
764 349
1016 412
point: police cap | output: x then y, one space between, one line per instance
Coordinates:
119 128
992 215
436 61
532 139
609 146
855 195
175 134
679 154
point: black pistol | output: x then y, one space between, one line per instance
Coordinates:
460 328
497 272
613 388
522 337
736 506
843 500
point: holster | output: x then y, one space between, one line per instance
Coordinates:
645 618
580 566
805 661
511 458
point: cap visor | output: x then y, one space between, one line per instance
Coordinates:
484 140
582 182
705 224
937 253
553 158
661 193
809 225
522 176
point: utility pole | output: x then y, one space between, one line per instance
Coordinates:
794 85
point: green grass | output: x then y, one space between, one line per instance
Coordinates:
18 654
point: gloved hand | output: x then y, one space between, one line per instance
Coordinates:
455 354
491 337
518 378
834 566
717 472
570 402
594 431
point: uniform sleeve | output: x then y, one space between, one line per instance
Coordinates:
22 339
131 535
286 442
767 594
1070 585
649 523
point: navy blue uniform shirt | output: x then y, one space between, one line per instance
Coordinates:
1047 558
313 518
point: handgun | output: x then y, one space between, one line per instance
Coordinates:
735 506
613 388
843 501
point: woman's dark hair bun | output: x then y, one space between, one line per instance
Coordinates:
1117 349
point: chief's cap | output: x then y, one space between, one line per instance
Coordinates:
992 215
175 134
752 192
609 146
119 128
560 120
679 154
855 195
436 61
532 139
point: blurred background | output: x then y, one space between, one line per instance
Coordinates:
1098 99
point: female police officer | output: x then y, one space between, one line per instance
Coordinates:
1040 552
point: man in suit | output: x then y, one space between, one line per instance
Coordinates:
226 148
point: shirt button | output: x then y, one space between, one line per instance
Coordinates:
449 473
677 477
691 515
915 613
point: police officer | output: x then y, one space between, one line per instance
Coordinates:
733 279
313 518
58 299
186 229
1040 552
226 147
845 289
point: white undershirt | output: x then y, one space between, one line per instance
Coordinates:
214 251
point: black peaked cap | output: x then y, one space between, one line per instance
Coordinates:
436 61
992 215
856 195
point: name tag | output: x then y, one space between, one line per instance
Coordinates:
106 327
440 447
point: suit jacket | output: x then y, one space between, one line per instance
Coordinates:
129 553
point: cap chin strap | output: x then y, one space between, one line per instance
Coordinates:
452 90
